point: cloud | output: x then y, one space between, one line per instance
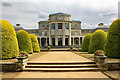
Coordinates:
43 15
6 4
90 13
107 14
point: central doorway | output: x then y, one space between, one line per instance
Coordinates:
53 41
66 41
59 41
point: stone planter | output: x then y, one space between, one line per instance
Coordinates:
48 49
22 61
100 61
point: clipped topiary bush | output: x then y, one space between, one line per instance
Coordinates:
113 44
97 41
35 44
86 42
9 41
24 41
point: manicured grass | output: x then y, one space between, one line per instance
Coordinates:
91 56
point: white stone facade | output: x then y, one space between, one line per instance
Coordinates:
60 30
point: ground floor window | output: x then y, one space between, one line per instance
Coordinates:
59 41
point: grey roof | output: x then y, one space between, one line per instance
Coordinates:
43 21
31 29
102 27
18 27
59 13
75 21
87 29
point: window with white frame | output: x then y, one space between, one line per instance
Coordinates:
67 26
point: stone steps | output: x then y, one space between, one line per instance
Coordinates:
61 62
61 69
61 66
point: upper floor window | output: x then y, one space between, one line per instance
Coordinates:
76 33
59 25
53 26
76 26
66 26
47 26
43 26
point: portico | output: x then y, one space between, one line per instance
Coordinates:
60 30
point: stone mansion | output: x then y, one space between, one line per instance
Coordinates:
60 30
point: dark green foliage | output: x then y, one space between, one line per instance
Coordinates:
24 41
97 41
86 42
35 44
112 48
9 41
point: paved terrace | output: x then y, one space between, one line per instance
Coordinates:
64 56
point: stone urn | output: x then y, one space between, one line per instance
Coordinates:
22 61
100 61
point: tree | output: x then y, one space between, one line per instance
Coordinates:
24 41
86 42
35 44
97 41
9 41
113 44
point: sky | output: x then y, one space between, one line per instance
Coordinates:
89 12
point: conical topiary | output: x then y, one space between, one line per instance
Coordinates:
113 44
24 41
97 41
9 41
35 44
86 42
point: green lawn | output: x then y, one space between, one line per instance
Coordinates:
91 56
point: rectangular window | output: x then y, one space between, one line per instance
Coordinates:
76 25
43 26
66 26
59 25
53 26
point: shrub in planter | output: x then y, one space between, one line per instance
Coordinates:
9 41
24 41
23 54
113 44
86 42
99 53
35 44
97 41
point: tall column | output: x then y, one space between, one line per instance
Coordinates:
73 41
63 35
79 41
46 41
40 42
50 34
69 33
56 34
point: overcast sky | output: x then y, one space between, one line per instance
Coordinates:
89 12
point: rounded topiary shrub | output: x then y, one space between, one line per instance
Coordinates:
35 44
113 44
97 41
9 41
24 41
86 42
